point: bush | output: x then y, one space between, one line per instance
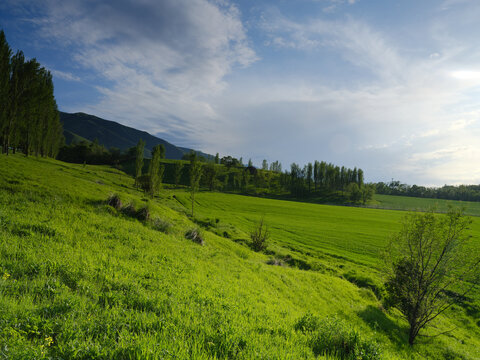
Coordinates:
195 235
114 201
129 210
143 214
335 339
259 236
161 225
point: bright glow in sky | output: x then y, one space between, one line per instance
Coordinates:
390 86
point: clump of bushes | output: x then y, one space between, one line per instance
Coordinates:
143 214
331 337
161 225
275 262
129 210
259 236
195 235
114 201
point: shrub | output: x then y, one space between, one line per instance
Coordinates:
335 339
161 225
259 236
195 235
114 201
129 210
143 213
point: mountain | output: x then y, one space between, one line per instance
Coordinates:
81 126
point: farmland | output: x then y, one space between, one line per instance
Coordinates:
80 279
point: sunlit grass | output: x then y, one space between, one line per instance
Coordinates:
80 279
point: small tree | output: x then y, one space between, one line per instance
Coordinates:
177 172
430 267
139 161
195 175
259 236
156 169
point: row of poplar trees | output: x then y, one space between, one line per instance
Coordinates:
29 117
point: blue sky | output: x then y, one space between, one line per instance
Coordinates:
390 86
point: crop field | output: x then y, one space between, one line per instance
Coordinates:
80 279
413 204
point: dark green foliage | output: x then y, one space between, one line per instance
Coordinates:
29 119
139 160
143 214
195 235
426 259
156 170
177 172
129 210
114 201
448 192
259 236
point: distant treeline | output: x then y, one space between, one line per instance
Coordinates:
449 192
29 117
319 180
94 153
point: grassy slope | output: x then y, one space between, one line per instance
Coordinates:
79 280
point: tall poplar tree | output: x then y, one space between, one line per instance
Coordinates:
139 161
156 169
5 70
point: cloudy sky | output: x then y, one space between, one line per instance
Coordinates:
391 86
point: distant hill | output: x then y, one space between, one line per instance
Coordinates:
81 126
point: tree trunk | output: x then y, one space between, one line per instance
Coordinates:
412 334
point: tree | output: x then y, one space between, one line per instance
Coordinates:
210 172
355 192
217 158
156 169
264 164
177 172
5 54
139 161
309 176
430 267
195 175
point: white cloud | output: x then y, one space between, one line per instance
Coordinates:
163 59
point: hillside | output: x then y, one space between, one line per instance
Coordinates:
79 126
80 279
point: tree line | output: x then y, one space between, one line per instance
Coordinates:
314 181
449 192
29 118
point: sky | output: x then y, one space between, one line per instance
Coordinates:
392 87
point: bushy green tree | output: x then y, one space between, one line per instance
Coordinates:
429 267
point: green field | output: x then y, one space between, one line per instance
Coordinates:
412 204
81 280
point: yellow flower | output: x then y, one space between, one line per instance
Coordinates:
49 340
6 276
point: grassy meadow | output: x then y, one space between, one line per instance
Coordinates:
80 279
394 202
